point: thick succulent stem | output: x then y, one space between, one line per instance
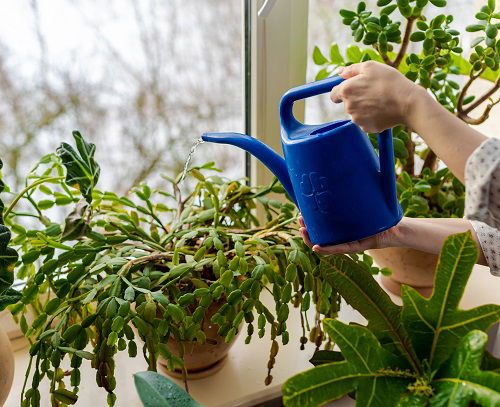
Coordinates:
431 160
404 43
409 166
484 97
463 113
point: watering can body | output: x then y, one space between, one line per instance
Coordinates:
343 189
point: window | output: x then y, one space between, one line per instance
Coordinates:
142 80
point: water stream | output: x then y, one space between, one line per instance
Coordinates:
190 155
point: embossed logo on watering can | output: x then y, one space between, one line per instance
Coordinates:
315 187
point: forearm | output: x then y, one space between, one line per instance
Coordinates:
451 139
429 234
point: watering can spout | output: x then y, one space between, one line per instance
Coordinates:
259 150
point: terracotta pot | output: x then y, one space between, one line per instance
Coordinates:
6 366
409 266
202 360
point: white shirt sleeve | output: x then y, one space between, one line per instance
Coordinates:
482 201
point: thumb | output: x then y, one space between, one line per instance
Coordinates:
347 72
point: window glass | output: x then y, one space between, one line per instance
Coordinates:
142 80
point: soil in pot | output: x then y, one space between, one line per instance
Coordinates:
6 366
202 360
409 266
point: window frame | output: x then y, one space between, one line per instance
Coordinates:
274 60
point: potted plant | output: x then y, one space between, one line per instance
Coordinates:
425 353
439 66
8 257
152 270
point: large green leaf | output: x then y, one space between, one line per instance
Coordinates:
358 287
436 323
156 390
364 371
460 381
82 169
8 256
394 359
9 297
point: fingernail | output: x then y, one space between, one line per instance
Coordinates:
338 71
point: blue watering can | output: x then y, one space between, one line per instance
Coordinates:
331 171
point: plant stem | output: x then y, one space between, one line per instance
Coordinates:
409 166
26 378
145 259
430 160
463 113
404 44
484 97
31 186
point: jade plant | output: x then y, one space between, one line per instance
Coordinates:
384 35
427 352
122 272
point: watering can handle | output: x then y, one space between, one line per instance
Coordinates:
303 92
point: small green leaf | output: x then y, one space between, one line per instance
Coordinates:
318 57
335 55
475 27
417 36
439 3
347 13
353 53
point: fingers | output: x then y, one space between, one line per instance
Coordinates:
347 72
301 222
345 248
348 248
336 94
305 237
347 90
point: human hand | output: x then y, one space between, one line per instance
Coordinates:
387 238
377 96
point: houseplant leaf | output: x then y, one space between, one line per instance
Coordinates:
9 297
436 323
460 381
155 390
453 377
82 169
357 286
364 371
8 257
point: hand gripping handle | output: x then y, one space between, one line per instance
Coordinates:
303 92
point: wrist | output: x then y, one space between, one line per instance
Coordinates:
415 104
402 233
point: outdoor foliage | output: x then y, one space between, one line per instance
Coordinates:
425 353
435 66
122 272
